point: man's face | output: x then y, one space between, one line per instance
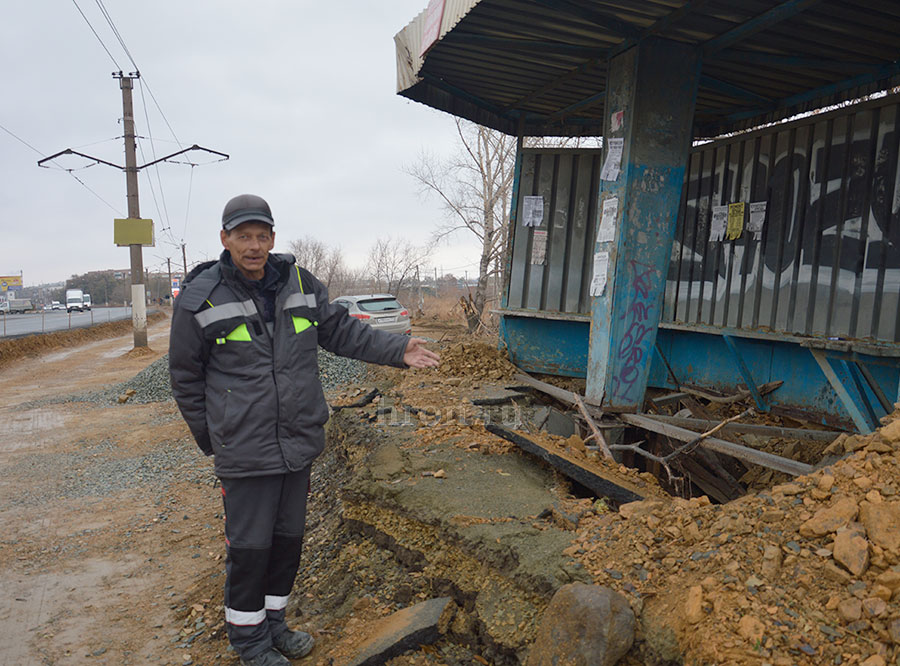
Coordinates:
249 244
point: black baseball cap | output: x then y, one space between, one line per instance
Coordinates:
246 208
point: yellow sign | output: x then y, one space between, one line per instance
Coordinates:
735 221
7 281
131 231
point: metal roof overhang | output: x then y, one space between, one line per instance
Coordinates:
539 66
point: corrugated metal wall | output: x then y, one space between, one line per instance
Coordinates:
568 182
826 263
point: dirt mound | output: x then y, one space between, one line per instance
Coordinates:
34 345
477 361
806 573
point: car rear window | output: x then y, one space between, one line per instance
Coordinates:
378 304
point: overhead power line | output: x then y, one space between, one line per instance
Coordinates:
22 141
96 35
69 171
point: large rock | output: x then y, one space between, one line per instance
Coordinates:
830 519
584 625
882 522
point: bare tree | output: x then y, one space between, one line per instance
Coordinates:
475 189
320 259
393 263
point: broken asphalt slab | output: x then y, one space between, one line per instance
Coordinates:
405 630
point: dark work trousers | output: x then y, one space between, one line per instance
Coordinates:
264 521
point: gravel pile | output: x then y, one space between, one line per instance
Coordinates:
96 472
152 384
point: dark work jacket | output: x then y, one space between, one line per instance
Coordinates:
252 400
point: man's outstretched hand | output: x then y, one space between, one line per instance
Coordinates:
416 356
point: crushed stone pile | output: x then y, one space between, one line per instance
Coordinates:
807 572
153 383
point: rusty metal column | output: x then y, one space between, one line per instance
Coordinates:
138 295
651 92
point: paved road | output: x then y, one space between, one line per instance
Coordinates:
58 320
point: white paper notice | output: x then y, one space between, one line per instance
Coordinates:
718 224
539 247
601 266
757 219
533 211
613 160
607 231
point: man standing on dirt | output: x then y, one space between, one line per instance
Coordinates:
243 360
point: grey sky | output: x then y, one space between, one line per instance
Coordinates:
300 94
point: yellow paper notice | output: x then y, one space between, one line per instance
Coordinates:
735 221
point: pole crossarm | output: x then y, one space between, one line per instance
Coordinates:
69 151
224 156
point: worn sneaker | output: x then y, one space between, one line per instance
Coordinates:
293 644
270 657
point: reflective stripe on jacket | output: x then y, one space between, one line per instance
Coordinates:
251 398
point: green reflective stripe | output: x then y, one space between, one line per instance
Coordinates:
220 341
301 324
240 334
299 281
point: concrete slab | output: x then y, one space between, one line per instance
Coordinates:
405 630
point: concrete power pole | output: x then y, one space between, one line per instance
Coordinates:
131 169
138 294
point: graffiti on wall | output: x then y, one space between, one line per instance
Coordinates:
638 336
828 260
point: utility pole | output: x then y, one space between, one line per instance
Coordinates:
131 169
184 263
138 294
169 264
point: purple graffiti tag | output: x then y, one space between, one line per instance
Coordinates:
636 339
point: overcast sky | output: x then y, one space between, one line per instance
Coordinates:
301 95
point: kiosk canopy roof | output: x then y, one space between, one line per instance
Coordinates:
540 65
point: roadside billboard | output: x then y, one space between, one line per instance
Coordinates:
9 281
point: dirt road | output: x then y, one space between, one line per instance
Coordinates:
97 552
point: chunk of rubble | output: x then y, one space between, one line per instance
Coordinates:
406 630
830 519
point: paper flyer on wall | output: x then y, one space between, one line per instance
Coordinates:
601 266
735 221
757 219
607 231
613 161
718 223
532 211
539 247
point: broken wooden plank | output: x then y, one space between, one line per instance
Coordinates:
706 481
620 490
743 394
744 453
750 428
562 395
668 399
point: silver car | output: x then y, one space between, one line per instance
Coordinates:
381 311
